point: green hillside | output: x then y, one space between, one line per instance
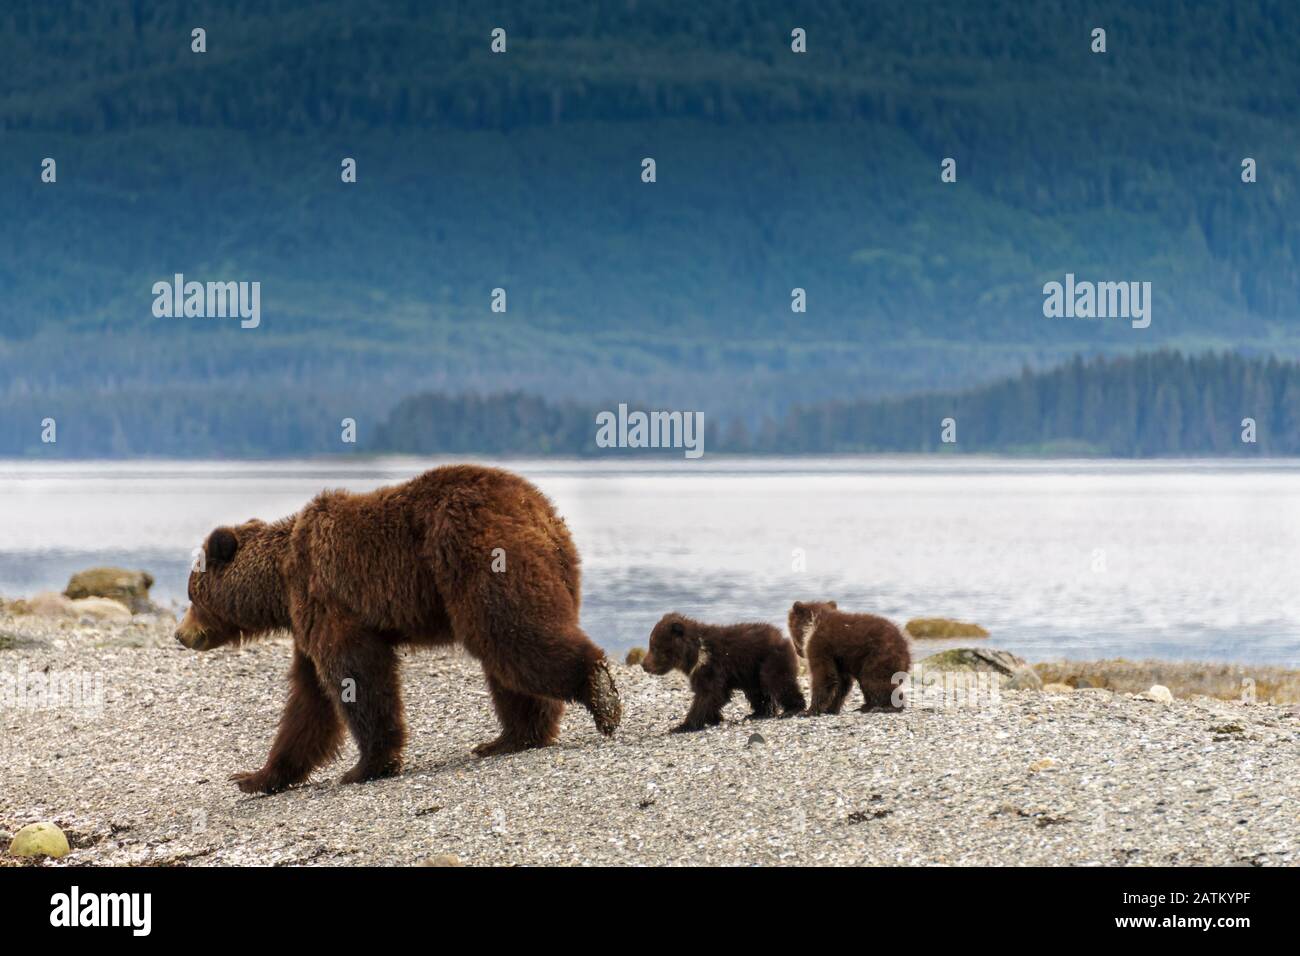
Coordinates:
521 171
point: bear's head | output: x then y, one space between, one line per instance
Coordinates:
236 589
803 620
673 643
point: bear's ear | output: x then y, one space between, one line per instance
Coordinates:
222 545
677 629
798 606
834 605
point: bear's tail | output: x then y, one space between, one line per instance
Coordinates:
602 697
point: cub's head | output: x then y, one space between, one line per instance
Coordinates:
803 620
235 589
671 645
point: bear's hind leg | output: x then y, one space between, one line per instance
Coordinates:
361 672
568 668
878 695
527 721
309 734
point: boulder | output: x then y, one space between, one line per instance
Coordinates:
130 588
45 604
39 839
1024 678
635 656
974 659
941 627
1159 693
101 609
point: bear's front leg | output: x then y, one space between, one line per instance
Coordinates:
361 673
309 733
761 705
706 709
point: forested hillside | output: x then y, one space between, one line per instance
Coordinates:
1151 404
521 171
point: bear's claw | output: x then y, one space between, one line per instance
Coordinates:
504 745
255 781
363 772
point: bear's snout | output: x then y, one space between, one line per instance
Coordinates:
189 634
195 642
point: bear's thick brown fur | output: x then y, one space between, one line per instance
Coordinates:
842 648
719 660
465 554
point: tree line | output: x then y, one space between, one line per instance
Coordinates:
1152 404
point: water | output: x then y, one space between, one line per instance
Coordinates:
1186 560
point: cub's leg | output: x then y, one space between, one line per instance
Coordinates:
878 693
828 690
761 704
781 681
527 721
843 684
706 709
309 734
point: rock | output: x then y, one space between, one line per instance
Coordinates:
100 609
39 839
974 659
755 739
1024 678
443 859
1038 766
940 627
131 588
45 604
1159 693
635 656
1058 689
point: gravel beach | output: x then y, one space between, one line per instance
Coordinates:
1088 777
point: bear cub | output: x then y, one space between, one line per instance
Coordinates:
719 660
843 648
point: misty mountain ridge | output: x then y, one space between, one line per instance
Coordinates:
776 171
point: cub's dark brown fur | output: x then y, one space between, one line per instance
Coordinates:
842 648
465 554
753 658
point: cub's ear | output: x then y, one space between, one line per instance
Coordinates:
676 629
833 604
222 545
798 606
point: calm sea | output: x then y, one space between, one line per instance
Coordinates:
1185 560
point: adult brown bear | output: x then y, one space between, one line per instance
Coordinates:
464 554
